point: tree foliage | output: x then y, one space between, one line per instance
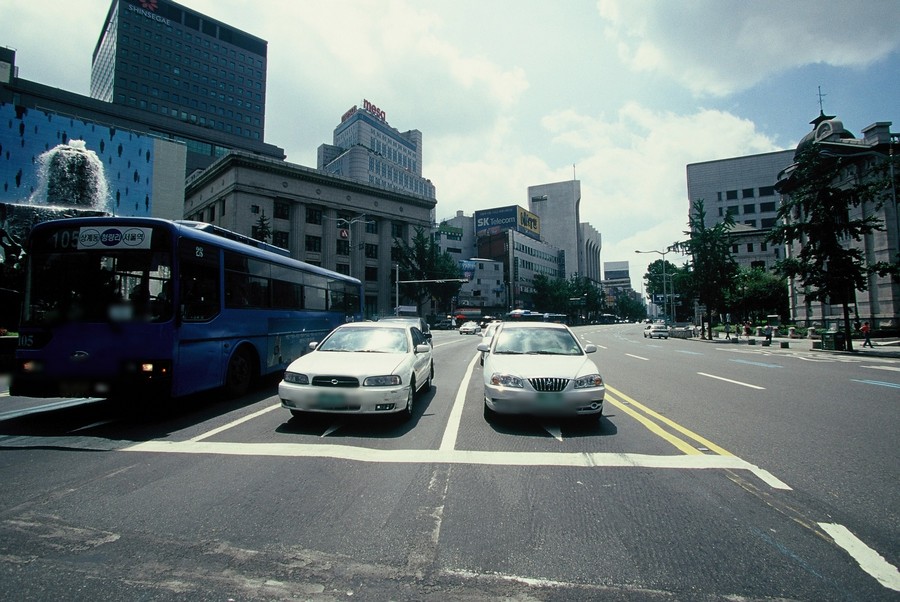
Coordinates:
821 213
711 262
262 231
421 259
756 294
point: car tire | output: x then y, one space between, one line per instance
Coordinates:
406 413
427 387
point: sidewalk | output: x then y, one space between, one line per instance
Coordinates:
882 347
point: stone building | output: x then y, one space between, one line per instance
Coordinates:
326 220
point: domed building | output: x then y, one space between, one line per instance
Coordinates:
860 157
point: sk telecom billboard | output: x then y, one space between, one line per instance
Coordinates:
513 217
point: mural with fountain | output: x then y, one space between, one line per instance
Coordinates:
71 183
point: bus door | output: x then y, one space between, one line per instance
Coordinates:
201 337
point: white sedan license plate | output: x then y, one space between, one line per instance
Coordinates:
331 400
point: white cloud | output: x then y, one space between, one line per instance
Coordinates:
717 47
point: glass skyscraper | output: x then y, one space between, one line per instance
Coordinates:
165 58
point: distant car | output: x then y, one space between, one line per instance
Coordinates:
486 335
360 368
656 330
443 325
540 368
470 328
419 323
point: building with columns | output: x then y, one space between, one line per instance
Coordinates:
331 221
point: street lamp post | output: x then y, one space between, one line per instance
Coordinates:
665 294
342 221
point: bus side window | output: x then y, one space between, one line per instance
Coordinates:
199 282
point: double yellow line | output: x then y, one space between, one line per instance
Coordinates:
652 420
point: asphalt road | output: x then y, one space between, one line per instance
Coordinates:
717 472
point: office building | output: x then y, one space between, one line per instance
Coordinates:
170 60
745 188
367 149
558 207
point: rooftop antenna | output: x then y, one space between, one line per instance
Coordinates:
821 98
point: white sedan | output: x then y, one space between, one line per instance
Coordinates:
470 328
360 368
540 368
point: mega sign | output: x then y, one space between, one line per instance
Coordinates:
529 224
378 113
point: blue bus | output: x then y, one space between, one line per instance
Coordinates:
125 307
526 315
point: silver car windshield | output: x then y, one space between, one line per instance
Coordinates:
372 340
538 341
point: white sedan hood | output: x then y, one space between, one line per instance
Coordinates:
359 364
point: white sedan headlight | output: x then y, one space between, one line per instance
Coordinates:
296 378
382 381
589 381
506 380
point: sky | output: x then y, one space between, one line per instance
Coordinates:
619 94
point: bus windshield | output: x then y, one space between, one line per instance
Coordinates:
69 283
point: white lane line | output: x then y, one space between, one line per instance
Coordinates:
880 383
892 368
868 559
448 442
225 427
454 456
637 357
734 382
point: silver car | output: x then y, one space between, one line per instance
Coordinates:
360 368
540 368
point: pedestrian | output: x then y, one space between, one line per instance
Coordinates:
866 331
747 329
768 332
727 331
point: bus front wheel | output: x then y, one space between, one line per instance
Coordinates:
240 373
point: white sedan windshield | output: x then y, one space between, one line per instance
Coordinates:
542 341
375 340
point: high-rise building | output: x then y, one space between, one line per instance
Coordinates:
367 149
165 58
745 188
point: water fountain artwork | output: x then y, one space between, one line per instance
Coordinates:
71 183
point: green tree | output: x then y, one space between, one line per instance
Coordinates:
757 293
262 231
820 214
712 265
630 309
664 271
551 295
421 260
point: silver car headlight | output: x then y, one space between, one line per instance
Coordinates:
382 381
296 378
506 380
589 381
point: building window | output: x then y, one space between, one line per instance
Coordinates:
749 247
396 230
731 195
747 193
763 247
371 251
282 210
734 249
342 268
733 210
254 208
313 215
280 239
767 207
768 222
314 244
371 273
750 222
372 227
766 191
751 208
343 247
